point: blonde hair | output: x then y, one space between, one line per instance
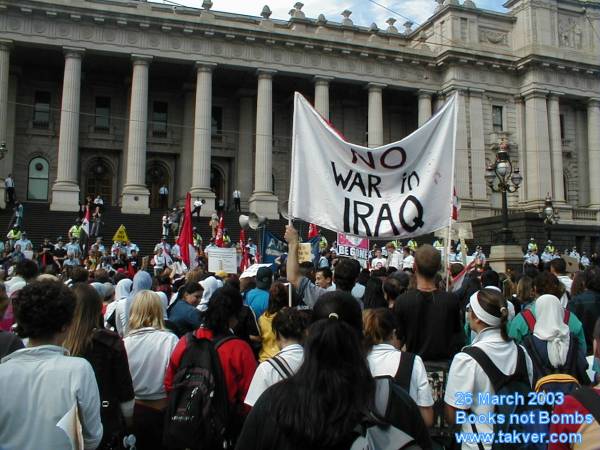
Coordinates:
146 311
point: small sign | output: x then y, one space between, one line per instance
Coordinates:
121 235
353 247
305 252
222 259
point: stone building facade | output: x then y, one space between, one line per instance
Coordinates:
120 97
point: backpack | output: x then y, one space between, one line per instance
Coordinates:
590 399
405 369
530 318
509 385
553 379
198 413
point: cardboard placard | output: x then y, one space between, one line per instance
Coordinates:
222 259
305 252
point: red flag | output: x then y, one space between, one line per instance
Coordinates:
455 205
86 220
186 237
313 231
245 263
220 227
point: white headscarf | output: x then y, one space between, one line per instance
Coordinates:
210 285
164 302
550 327
123 289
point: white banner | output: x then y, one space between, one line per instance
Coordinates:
401 189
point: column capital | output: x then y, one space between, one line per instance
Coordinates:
203 66
593 102
535 93
375 86
6 44
554 95
144 60
265 73
322 79
73 52
518 98
458 89
475 91
425 93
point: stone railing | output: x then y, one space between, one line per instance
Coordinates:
584 214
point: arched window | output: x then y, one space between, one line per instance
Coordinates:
37 179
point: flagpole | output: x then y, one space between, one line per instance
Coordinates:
452 192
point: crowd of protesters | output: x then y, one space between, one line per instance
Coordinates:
329 355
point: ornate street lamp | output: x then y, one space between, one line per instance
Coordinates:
502 177
550 216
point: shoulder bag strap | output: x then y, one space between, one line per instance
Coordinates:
529 319
497 378
280 367
405 369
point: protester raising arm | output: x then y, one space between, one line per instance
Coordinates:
293 270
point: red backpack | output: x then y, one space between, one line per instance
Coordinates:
530 318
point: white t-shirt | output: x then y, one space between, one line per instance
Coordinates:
378 263
148 353
383 361
407 262
394 260
266 376
466 375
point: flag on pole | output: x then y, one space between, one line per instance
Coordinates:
458 280
85 223
219 236
245 263
186 237
313 231
455 205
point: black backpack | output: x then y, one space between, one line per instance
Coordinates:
198 413
509 385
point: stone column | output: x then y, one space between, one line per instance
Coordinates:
135 193
537 142
558 190
245 173
478 184
593 122
375 121
583 184
520 139
322 95
203 138
438 103
186 156
462 177
424 106
65 192
5 48
263 202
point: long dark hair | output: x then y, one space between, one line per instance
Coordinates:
333 390
373 297
225 304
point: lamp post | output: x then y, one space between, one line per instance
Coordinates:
550 216
502 177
